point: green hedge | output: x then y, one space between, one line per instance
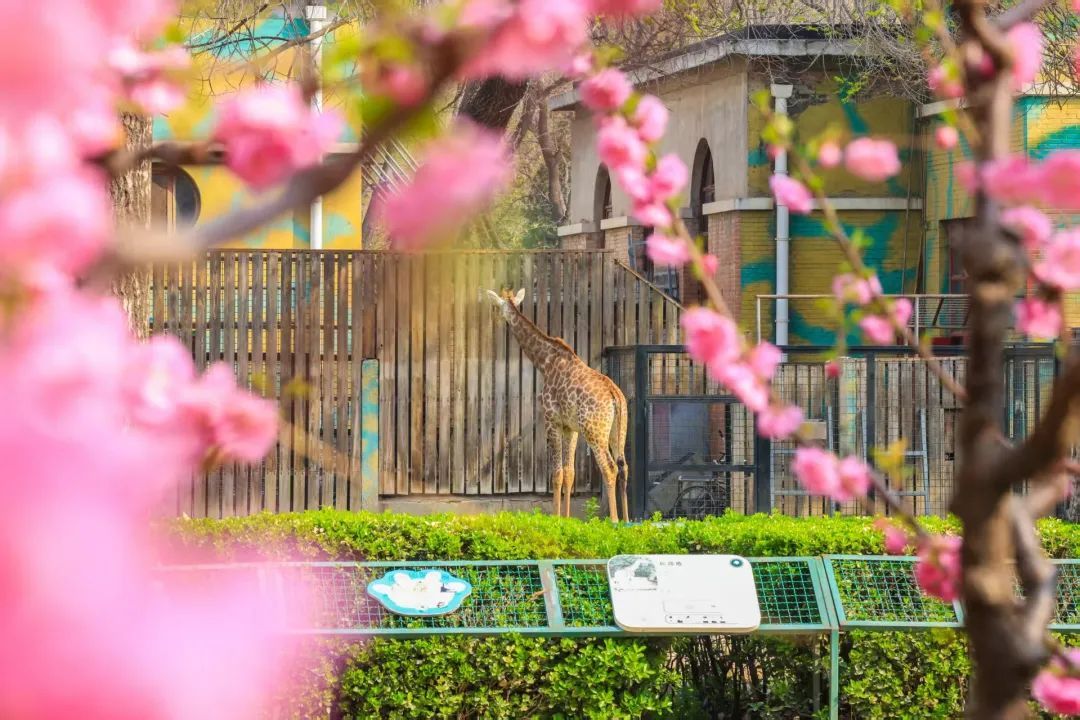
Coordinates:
883 675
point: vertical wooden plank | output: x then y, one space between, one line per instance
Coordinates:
527 420
386 343
629 309
501 341
446 345
459 398
556 297
512 433
595 300
302 291
345 361
200 288
569 296
257 492
607 292
544 265
272 372
432 347
403 374
287 370
229 351
486 351
472 377
416 366
332 394
182 327
157 298
243 351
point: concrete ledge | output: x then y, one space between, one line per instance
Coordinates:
618 222
840 203
479 505
576 229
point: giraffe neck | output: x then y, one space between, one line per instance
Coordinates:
537 345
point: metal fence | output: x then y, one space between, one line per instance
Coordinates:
810 596
694 451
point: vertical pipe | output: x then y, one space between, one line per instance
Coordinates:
781 93
316 17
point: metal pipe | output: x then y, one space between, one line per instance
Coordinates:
316 17
780 94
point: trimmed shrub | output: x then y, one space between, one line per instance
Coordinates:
883 675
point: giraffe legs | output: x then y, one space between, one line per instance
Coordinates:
598 443
555 443
569 447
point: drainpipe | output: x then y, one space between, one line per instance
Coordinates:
316 17
781 93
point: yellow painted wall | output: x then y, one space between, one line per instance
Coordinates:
219 190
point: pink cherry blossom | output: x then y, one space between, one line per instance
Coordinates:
1010 179
1056 181
711 338
1038 318
848 287
895 539
459 175
538 36
1060 266
405 85
946 137
1057 687
942 84
1033 226
854 479
635 183
832 369
710 264
829 155
580 66
665 250
877 329
269 132
157 96
967 177
763 359
792 194
650 118
938 568
872 160
1026 41
778 422
817 471
160 372
743 383
669 178
605 91
625 8
618 145
246 428
901 311
63 222
652 214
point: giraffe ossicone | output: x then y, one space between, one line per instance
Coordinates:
576 400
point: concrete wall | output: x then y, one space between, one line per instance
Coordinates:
710 105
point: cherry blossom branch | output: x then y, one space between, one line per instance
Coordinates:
852 255
1022 12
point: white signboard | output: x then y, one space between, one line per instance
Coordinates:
683 593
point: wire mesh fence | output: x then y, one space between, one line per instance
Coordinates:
694 451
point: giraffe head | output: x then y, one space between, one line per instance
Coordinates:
507 301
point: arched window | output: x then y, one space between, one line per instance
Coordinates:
175 199
702 191
602 208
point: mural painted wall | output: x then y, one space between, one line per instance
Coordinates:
1040 126
892 236
821 102
225 69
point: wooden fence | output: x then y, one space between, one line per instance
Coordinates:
456 410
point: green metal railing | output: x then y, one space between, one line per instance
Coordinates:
557 598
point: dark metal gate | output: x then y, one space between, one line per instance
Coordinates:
693 450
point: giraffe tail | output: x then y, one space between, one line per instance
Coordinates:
617 441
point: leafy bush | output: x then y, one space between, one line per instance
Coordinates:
883 675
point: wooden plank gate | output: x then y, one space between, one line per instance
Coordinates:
404 347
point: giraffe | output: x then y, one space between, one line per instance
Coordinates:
576 400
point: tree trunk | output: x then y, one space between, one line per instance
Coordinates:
131 207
